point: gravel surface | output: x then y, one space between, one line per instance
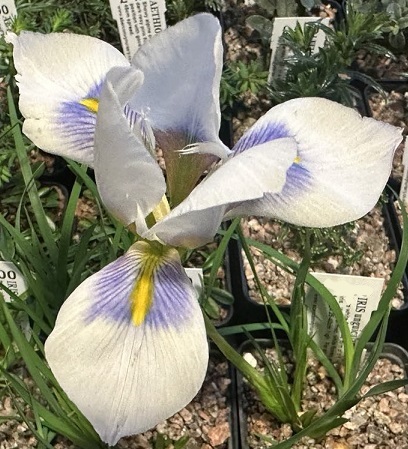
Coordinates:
205 420
392 109
368 235
379 422
383 67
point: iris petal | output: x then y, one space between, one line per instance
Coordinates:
124 376
129 179
55 73
242 178
180 96
343 163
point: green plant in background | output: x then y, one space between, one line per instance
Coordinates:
178 10
327 72
308 73
281 397
326 242
7 156
239 79
164 442
263 24
361 29
398 28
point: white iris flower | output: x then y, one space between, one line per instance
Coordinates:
129 346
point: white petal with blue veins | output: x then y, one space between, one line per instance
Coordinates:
343 162
55 72
127 374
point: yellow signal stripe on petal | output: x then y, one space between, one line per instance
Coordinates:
91 104
141 296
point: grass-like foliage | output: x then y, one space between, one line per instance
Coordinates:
281 395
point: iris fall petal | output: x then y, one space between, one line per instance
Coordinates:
57 101
343 162
129 346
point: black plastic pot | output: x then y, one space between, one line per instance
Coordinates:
395 353
397 331
60 174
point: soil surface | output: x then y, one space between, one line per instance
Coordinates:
205 420
374 423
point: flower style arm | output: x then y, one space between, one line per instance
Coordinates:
242 178
129 179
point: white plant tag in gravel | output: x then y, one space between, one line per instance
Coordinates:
358 297
196 277
7 12
137 20
11 278
404 183
279 52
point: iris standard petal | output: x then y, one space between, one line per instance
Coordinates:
129 180
241 178
180 96
59 77
129 346
343 162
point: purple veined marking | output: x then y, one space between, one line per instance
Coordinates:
258 135
298 178
298 181
172 296
77 122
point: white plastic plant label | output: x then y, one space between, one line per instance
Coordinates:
196 277
7 12
137 20
280 52
357 296
11 278
404 183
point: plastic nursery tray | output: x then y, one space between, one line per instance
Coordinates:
395 353
397 330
